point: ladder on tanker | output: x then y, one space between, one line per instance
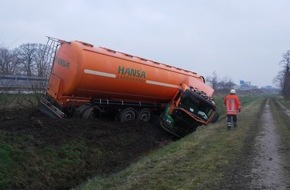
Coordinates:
51 47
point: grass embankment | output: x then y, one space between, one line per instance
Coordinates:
12 101
199 161
284 102
282 122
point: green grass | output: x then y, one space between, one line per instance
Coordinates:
198 161
6 163
22 161
284 102
9 101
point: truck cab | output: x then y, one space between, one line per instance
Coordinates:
189 109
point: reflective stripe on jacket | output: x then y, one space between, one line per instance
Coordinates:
232 103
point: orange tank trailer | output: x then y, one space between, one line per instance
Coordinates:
85 79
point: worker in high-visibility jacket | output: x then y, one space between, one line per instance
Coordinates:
233 107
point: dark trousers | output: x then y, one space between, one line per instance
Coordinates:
232 119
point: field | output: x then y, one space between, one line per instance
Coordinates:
37 152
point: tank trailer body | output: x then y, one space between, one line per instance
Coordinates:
86 80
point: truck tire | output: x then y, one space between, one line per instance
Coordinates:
85 111
88 113
128 114
144 115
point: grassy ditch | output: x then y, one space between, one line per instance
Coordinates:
202 160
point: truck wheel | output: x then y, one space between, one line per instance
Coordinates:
144 115
84 111
88 113
127 114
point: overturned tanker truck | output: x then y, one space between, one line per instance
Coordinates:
86 81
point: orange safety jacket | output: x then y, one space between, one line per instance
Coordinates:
232 103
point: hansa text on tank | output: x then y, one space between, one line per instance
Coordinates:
131 72
62 62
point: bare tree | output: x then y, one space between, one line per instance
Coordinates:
213 80
285 75
43 66
8 61
30 56
226 84
25 56
279 79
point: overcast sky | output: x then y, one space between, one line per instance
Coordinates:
237 39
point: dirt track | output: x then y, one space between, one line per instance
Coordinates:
262 162
268 167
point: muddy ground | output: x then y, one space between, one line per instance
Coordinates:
105 147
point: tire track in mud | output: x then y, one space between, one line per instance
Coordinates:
267 166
